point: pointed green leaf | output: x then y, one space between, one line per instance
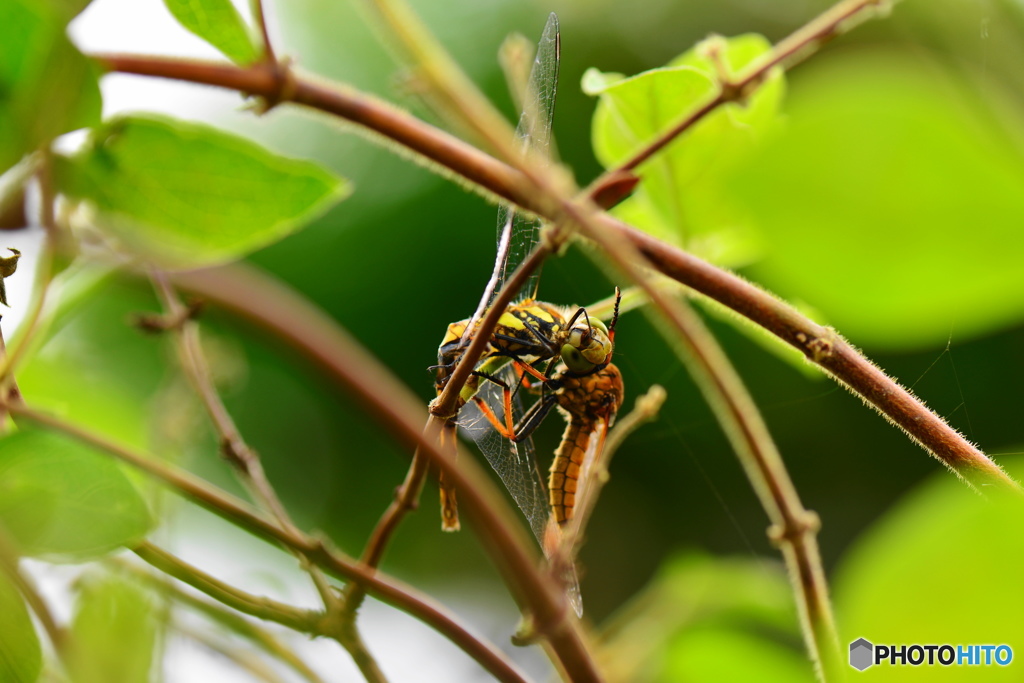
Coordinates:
187 195
113 633
20 655
62 500
218 23
47 87
682 197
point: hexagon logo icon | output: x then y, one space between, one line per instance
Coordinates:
861 654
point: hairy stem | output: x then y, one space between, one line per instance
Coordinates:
821 345
792 49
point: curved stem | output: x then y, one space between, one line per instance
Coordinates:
821 345
279 310
295 618
389 590
790 50
246 461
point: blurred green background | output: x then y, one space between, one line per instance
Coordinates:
889 201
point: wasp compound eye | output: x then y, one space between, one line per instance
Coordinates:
575 360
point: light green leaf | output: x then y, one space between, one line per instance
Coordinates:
942 567
218 23
47 87
892 202
187 195
714 654
20 656
682 196
698 601
64 501
114 632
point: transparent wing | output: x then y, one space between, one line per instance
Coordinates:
515 463
534 130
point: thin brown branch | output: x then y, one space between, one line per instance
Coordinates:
388 589
261 23
290 317
383 120
405 501
246 461
730 89
822 346
193 361
442 409
793 526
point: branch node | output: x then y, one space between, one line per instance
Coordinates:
237 452
285 85
157 323
789 533
819 348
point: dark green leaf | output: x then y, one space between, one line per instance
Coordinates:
113 633
20 656
218 23
186 195
62 500
47 87
681 197
892 202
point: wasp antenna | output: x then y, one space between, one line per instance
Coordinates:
615 313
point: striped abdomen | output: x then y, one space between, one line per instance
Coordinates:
589 403
565 470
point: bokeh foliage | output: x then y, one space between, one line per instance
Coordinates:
880 186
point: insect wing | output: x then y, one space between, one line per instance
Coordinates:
515 463
534 130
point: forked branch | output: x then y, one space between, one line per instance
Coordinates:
820 345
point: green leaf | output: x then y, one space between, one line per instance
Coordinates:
20 656
700 604
62 500
114 632
187 195
682 196
69 9
714 654
942 567
47 87
218 23
892 201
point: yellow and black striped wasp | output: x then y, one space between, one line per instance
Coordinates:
561 354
